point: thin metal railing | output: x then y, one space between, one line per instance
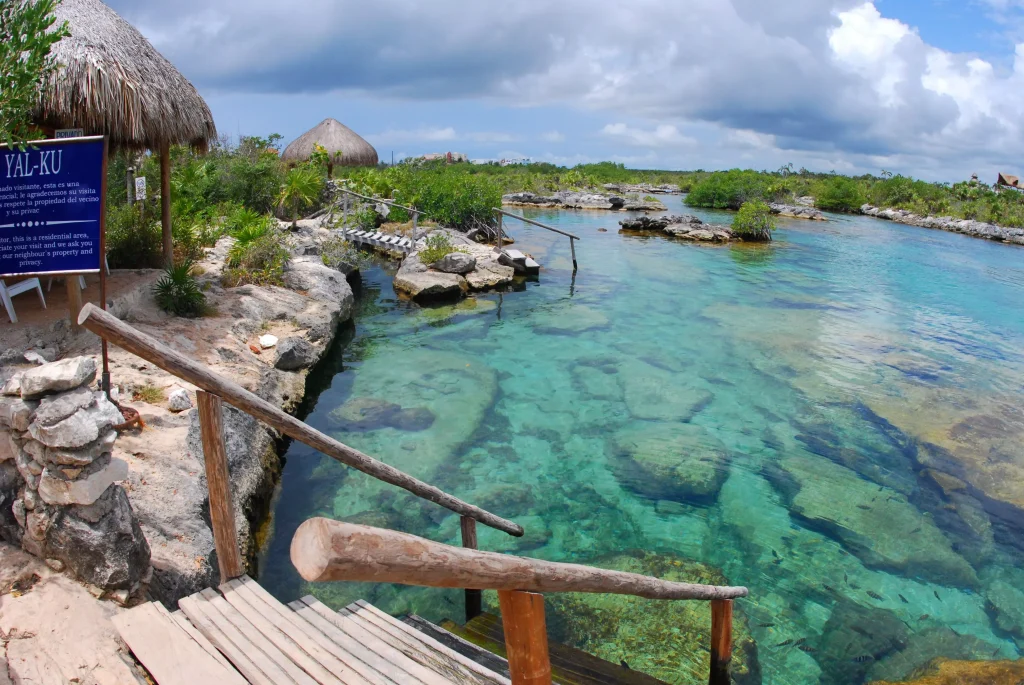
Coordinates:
572 237
412 210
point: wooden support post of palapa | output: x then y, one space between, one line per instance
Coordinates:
222 509
165 203
474 598
721 641
74 287
526 637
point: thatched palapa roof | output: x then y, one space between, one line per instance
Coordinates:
111 80
343 144
1008 180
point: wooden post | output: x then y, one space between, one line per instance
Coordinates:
501 220
222 509
526 637
131 185
721 641
415 222
74 287
474 598
572 247
165 202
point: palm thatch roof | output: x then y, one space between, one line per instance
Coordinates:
344 145
1008 180
111 80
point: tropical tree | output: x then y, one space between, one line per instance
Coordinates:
754 221
27 34
302 187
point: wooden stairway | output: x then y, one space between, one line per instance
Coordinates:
241 634
483 637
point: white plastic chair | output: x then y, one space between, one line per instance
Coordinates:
6 293
81 282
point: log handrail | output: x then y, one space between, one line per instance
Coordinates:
110 328
326 550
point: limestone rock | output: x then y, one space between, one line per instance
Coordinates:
100 543
55 489
59 407
294 353
319 281
8 448
82 456
531 199
854 637
12 386
653 394
75 431
369 413
455 263
67 374
948 672
179 400
267 341
416 280
671 461
797 211
569 321
41 355
16 413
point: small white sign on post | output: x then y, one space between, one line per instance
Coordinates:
68 133
140 187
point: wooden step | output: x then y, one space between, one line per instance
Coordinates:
569 666
478 654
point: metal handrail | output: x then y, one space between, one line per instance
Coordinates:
572 237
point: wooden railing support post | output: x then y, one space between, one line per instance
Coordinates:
222 508
526 637
74 288
721 641
474 598
572 248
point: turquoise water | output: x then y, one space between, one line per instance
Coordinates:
833 421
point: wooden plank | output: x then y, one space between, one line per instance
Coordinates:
293 649
515 255
526 637
477 655
327 550
389 664
187 626
331 655
246 658
721 641
294 673
170 655
218 481
111 328
473 597
414 644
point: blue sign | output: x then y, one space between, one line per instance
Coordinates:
51 207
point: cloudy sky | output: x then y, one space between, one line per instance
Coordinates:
934 88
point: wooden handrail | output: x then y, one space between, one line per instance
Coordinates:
111 328
325 550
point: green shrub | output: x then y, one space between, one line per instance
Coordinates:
131 242
336 250
177 292
438 246
728 189
260 260
754 221
253 174
839 194
301 189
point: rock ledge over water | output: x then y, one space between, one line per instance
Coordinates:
976 229
570 199
686 227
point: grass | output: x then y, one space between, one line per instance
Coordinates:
150 394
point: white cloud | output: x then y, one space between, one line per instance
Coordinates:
663 135
417 135
553 137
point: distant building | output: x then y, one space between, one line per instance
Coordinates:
1008 181
514 161
450 157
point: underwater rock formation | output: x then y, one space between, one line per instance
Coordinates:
649 396
854 638
671 461
666 640
948 672
370 413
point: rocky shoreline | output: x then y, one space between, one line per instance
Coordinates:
685 227
474 267
568 199
797 211
976 229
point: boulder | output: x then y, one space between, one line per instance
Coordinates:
56 408
854 637
797 211
67 374
651 394
82 456
75 431
321 282
55 488
370 413
294 353
948 672
179 400
455 263
100 543
16 413
416 280
671 461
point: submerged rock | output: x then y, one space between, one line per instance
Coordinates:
947 672
670 461
369 413
666 640
653 394
577 319
874 522
927 645
854 638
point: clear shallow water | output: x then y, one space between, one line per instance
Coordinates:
832 420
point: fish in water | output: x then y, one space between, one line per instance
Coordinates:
800 642
923 617
785 642
916 530
846 578
623 663
828 587
937 595
902 598
874 595
864 506
449 600
854 586
807 648
862 658
775 554
769 624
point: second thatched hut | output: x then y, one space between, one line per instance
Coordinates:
344 146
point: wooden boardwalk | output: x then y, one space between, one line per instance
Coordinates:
386 241
240 634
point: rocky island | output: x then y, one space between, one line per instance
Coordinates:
685 227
